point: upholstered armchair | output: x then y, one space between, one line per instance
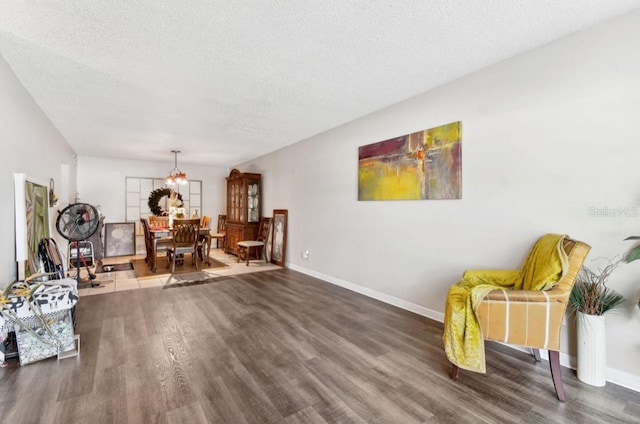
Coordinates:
525 316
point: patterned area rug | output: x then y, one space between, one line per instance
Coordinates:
142 271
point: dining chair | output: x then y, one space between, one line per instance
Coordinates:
221 233
185 239
204 247
158 221
257 246
205 221
153 245
147 239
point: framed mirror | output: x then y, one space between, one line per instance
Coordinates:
279 239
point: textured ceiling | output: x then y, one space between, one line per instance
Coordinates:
227 81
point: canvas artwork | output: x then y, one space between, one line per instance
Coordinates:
422 165
37 208
120 239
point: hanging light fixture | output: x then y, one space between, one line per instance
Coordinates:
176 176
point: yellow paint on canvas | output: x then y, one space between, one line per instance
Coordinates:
426 166
443 135
389 181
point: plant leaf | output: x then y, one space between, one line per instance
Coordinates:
590 294
633 254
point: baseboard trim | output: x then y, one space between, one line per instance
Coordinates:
621 378
391 300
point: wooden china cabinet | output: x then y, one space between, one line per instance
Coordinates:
243 208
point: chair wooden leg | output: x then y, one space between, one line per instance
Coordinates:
536 354
556 373
454 372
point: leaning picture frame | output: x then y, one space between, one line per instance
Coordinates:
279 239
119 239
32 221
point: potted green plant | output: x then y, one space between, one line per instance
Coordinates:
591 295
590 299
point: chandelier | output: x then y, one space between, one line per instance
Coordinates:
176 176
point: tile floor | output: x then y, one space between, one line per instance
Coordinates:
126 280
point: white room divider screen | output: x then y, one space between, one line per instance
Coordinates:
137 200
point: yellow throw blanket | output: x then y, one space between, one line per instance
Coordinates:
462 337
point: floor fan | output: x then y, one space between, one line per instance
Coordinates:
76 223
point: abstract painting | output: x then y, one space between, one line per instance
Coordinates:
422 165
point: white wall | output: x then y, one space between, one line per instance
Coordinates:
547 136
101 182
30 144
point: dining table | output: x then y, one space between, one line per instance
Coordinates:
164 233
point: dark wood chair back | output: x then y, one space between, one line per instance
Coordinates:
263 229
147 238
222 223
185 232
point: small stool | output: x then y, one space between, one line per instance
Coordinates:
246 246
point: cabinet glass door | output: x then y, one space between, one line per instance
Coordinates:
253 201
235 210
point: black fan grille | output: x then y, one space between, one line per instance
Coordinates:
78 221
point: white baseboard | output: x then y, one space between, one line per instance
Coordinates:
624 379
621 378
391 300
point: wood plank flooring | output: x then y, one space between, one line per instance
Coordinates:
282 347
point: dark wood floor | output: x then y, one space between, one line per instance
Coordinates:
282 347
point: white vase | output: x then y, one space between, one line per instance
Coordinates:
592 358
